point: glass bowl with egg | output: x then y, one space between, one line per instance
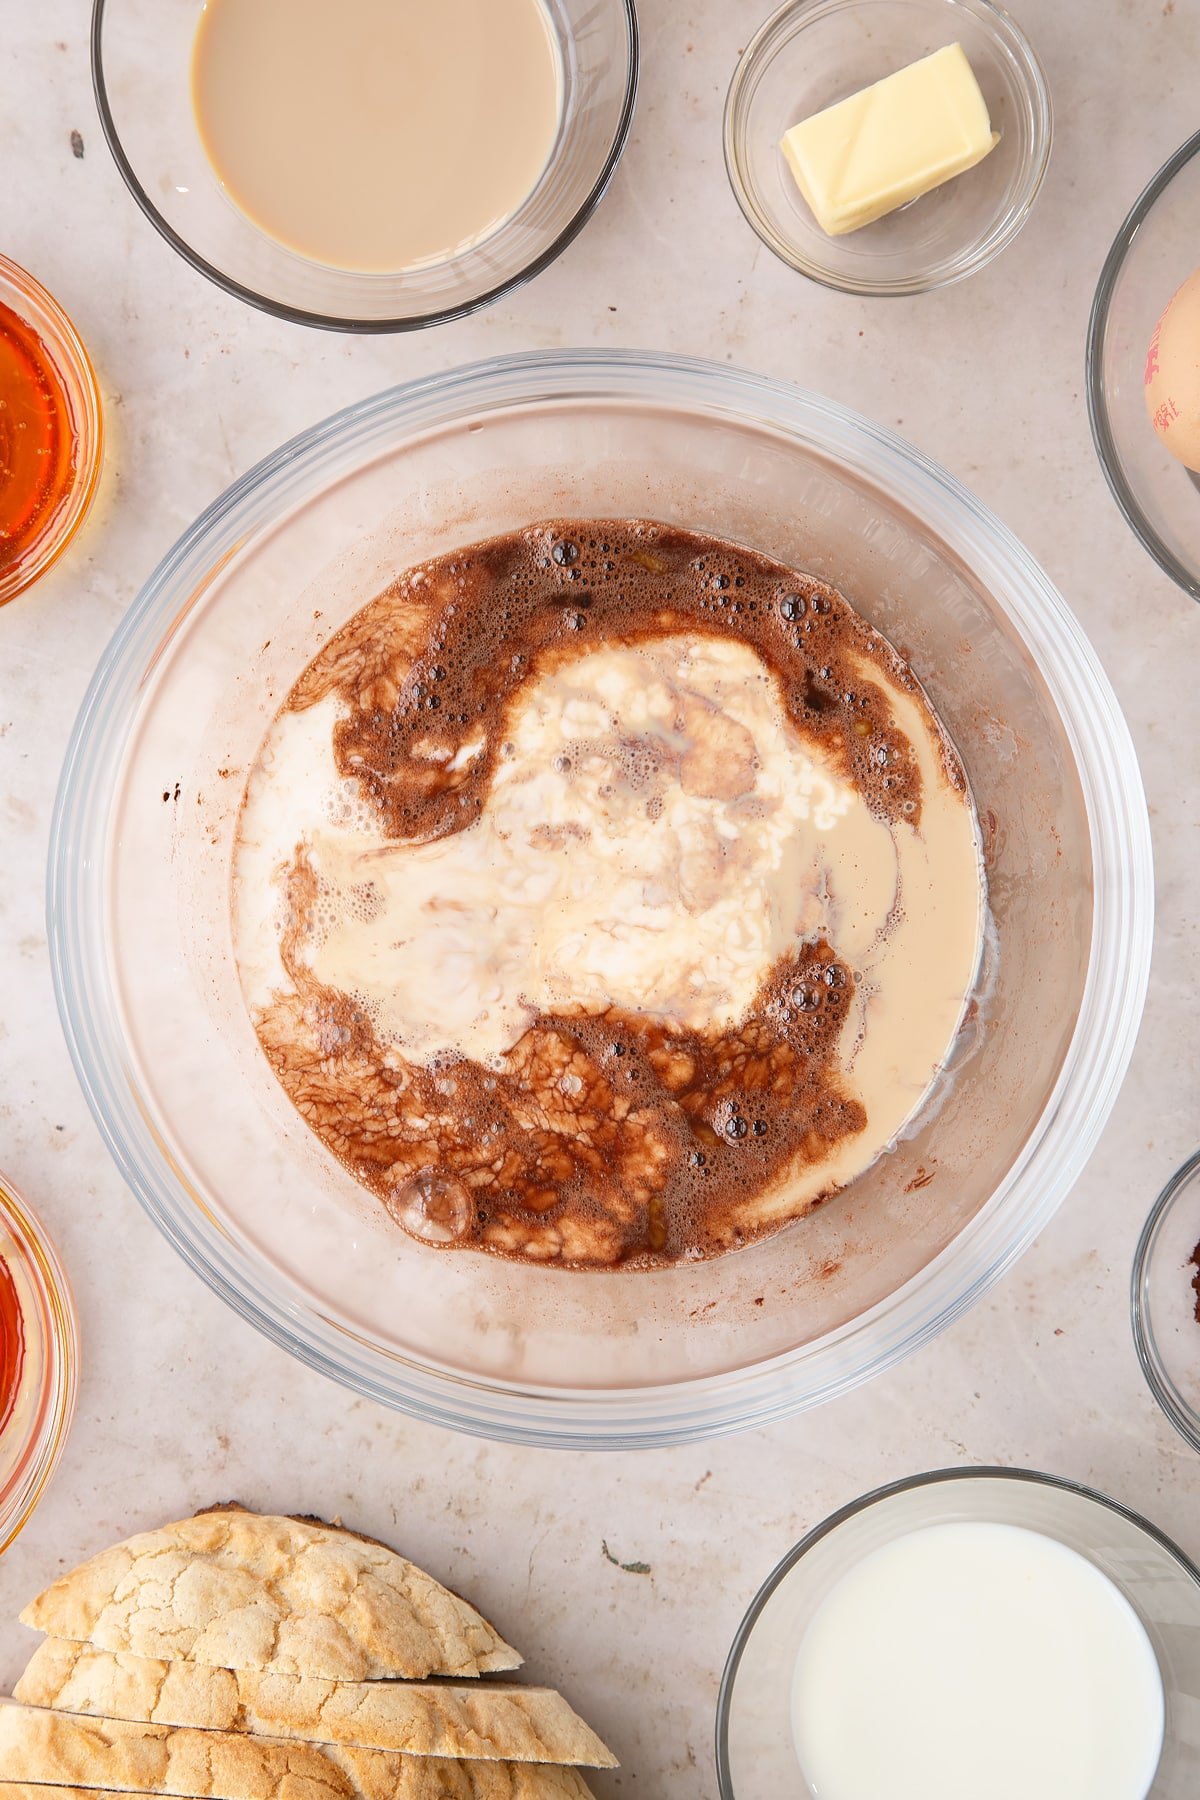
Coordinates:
371 167
39 1362
1139 362
1165 1300
147 821
810 55
979 1630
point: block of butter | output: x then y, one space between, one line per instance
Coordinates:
891 142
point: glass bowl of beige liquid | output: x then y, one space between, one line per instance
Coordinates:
378 166
140 926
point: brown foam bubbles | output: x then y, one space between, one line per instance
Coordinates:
605 894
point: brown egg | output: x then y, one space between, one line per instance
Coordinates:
1173 375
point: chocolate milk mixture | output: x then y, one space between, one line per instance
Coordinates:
606 894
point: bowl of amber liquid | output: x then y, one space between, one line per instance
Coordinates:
50 431
39 1362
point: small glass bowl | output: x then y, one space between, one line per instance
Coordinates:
812 53
1154 252
32 1438
141 71
755 1755
35 307
1166 1329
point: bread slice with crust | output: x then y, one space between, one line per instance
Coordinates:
481 1719
431 1779
54 1750
242 1590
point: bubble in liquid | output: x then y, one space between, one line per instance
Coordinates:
433 1207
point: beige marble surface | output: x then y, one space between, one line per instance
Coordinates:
180 1402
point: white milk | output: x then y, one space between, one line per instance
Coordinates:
977 1662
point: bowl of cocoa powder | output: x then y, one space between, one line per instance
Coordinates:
1166 1300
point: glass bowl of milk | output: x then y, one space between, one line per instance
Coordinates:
972 1632
375 166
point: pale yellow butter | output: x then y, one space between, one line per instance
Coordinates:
891 142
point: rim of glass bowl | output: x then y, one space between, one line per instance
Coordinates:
36 306
977 1472
330 321
60 1377
1010 35
1098 416
1069 1124
1185 1418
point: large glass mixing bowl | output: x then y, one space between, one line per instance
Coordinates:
140 869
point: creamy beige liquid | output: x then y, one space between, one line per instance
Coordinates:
377 135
